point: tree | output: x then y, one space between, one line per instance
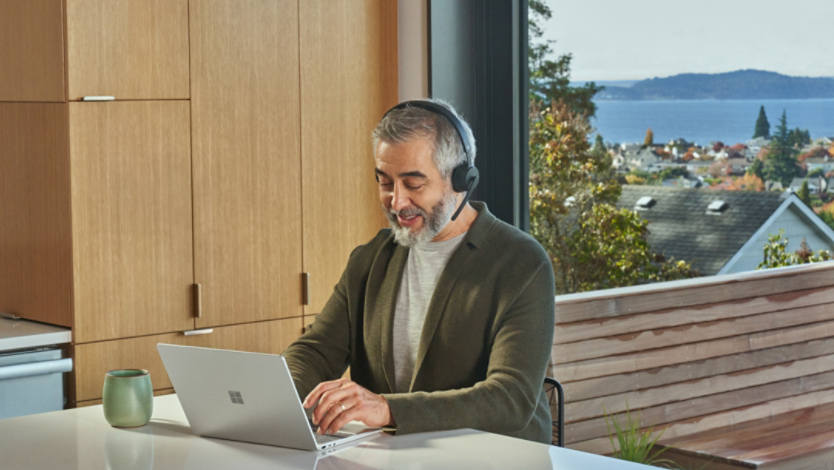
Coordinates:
780 162
776 254
757 169
798 138
748 182
549 79
649 140
816 172
804 193
592 244
762 126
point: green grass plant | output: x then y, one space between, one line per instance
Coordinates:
634 445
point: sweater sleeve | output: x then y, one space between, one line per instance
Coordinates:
322 353
506 400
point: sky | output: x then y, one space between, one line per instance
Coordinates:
637 39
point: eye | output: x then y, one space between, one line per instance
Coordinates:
413 187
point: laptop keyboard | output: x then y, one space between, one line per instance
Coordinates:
323 439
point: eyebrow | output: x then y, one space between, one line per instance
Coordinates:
415 174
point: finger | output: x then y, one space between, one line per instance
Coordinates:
337 418
355 413
314 396
327 402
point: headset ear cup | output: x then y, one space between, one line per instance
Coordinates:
463 176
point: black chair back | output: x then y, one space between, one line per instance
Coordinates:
556 399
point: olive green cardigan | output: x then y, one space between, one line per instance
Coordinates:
485 344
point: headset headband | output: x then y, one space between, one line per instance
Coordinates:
443 111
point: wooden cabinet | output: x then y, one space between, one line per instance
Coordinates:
348 81
130 49
95 359
236 155
31 50
247 169
131 218
35 241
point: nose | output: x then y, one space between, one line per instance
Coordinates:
400 200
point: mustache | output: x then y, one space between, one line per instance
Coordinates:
408 212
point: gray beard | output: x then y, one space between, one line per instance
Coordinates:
433 222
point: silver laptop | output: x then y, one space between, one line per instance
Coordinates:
246 397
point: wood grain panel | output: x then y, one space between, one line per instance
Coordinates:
130 49
95 359
586 409
682 410
35 238
580 331
690 352
132 232
734 363
690 333
708 422
247 167
692 292
349 49
31 50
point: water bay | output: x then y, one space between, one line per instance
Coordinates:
702 121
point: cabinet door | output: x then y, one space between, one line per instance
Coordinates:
35 240
348 81
92 361
247 177
32 50
131 218
130 49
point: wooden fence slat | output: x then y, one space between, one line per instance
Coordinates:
642 360
587 409
679 411
679 294
613 384
615 326
692 333
602 445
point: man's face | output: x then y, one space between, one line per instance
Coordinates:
417 200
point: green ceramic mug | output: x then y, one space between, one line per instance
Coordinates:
127 398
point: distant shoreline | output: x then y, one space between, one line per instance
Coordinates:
738 85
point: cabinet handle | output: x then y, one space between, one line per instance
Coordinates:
198 301
305 288
98 98
203 331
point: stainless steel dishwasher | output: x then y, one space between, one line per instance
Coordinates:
32 367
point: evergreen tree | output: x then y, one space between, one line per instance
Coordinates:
756 169
804 193
550 80
649 140
781 163
762 126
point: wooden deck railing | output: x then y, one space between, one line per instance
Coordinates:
694 355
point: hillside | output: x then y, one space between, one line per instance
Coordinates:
738 85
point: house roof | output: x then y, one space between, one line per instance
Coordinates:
680 227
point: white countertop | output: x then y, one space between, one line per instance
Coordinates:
82 439
24 334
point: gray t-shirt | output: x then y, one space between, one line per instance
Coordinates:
425 263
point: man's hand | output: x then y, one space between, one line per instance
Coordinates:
341 401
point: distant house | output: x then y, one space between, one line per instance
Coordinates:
723 232
738 164
641 159
755 145
826 163
774 186
816 185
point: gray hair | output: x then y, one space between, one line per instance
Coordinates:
409 123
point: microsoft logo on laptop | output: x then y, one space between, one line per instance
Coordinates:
236 398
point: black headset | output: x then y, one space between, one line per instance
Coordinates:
465 176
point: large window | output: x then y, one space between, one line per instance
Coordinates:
679 139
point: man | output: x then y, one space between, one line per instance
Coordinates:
446 322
